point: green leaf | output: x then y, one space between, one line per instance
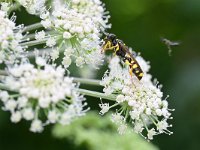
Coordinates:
94 132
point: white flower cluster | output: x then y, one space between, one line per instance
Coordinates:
42 95
78 25
93 9
33 6
10 37
142 102
5 6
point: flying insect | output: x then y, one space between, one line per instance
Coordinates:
120 49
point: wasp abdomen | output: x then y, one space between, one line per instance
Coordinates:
136 70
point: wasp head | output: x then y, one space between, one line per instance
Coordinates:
111 37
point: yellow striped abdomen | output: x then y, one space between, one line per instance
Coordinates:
136 69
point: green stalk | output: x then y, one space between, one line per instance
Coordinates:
35 42
40 52
97 94
47 33
87 81
32 27
14 7
4 87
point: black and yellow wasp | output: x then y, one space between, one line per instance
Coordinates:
120 49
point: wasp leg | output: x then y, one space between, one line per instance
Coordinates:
131 72
105 46
110 48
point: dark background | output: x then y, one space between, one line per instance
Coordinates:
141 24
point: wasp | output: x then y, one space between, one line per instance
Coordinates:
111 42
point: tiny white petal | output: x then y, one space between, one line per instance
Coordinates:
40 61
16 117
36 126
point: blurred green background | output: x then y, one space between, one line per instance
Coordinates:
141 24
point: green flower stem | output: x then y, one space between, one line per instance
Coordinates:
32 27
87 81
4 87
29 36
40 52
35 42
49 33
3 73
97 94
14 7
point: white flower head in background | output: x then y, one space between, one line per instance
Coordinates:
33 6
95 10
43 95
5 6
141 101
78 26
10 38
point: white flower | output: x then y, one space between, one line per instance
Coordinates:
120 98
40 61
122 128
80 61
66 61
44 14
151 133
36 126
162 127
67 35
66 118
51 42
46 23
4 96
148 111
10 37
93 9
69 51
141 100
5 6
52 116
159 112
33 6
104 108
22 101
79 27
28 113
117 118
54 54
138 127
44 102
16 117
10 105
41 89
40 35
